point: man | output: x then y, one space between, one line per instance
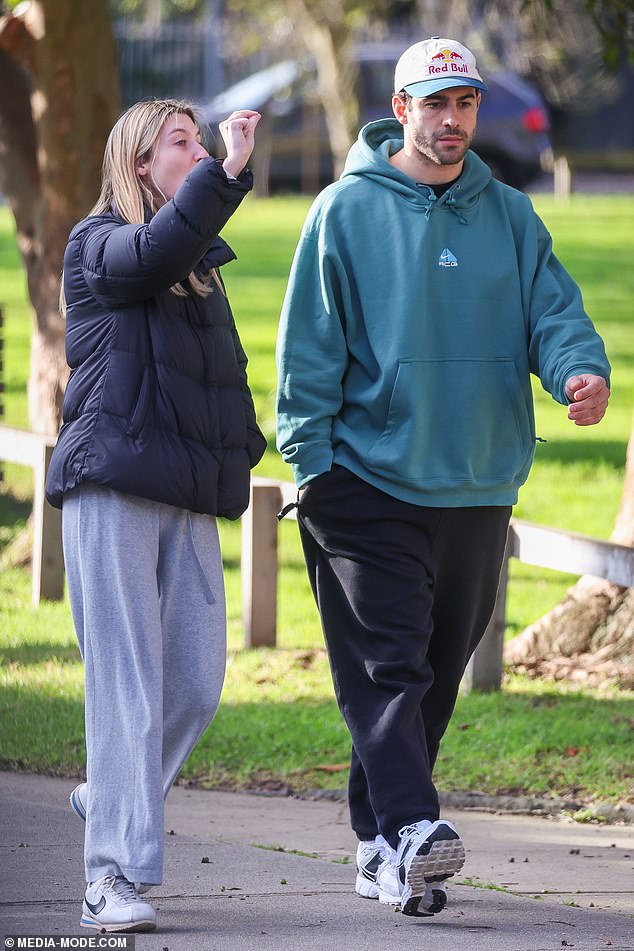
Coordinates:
422 296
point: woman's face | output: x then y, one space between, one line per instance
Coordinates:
177 150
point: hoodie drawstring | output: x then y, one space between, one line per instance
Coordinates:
432 199
450 201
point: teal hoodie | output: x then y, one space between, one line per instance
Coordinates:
411 325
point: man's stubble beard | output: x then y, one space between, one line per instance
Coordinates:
426 146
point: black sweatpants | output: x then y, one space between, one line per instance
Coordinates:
405 593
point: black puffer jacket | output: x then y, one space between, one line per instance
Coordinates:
157 404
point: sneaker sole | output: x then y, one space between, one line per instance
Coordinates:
438 858
366 888
386 898
143 925
434 904
444 859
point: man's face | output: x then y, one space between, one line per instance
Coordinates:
440 127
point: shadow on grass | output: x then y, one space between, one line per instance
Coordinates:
531 738
41 733
549 743
28 655
14 513
583 451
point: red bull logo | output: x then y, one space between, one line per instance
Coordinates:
447 55
447 61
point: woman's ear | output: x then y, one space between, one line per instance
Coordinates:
142 169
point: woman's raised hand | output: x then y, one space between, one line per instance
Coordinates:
238 133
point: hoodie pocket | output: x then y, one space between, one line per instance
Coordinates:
455 421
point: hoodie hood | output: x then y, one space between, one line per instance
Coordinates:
369 157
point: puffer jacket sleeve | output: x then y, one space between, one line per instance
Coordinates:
256 443
129 263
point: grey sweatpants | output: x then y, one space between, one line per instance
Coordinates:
147 596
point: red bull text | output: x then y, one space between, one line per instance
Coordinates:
449 65
447 68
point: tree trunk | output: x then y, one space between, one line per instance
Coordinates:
58 73
589 636
330 42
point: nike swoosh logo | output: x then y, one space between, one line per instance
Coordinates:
96 909
408 848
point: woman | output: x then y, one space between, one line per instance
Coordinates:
159 436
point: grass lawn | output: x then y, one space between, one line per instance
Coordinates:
278 722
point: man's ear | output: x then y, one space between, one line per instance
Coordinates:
399 109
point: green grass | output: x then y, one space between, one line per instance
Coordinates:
278 723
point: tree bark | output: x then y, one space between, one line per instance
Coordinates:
58 63
589 636
330 42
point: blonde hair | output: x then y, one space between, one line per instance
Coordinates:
132 140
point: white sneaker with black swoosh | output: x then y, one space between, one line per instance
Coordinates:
376 874
428 853
112 904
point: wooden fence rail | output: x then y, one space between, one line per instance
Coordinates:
31 449
533 544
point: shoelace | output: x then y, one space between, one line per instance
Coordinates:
123 889
413 828
407 830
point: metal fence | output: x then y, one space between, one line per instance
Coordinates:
180 60
193 60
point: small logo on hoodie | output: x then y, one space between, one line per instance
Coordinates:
447 259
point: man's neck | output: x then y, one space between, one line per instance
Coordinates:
423 171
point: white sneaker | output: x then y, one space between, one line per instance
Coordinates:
78 799
429 852
112 904
376 872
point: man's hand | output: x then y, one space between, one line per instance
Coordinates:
238 132
588 395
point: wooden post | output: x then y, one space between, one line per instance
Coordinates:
259 564
48 560
562 178
484 670
35 450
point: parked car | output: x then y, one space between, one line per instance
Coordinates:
292 149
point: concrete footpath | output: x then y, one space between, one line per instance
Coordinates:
246 872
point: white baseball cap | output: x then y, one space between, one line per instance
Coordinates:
435 64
